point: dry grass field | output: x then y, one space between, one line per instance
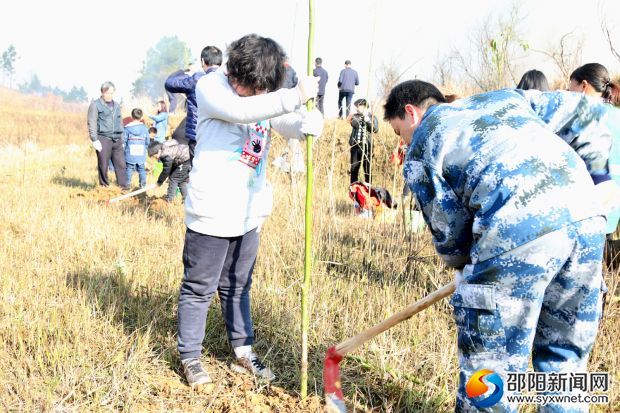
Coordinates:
88 292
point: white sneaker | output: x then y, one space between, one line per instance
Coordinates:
251 364
194 373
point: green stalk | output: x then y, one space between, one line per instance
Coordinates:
305 289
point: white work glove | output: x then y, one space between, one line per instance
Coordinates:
308 88
608 193
311 122
458 276
97 146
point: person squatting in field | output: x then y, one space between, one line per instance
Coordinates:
238 105
105 129
512 207
174 157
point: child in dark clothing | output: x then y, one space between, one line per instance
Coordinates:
175 158
136 141
363 123
152 132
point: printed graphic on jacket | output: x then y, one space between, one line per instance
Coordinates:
256 145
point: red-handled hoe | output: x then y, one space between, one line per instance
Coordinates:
334 399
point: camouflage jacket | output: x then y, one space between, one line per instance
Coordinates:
490 174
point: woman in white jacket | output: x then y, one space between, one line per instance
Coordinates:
229 196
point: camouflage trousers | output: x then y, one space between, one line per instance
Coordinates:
543 298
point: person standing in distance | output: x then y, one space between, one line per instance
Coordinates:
105 129
347 81
323 76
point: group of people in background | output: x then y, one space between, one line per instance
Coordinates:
509 205
123 143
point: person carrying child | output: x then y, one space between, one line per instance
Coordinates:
136 141
238 105
513 209
176 166
363 124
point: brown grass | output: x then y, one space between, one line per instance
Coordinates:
88 295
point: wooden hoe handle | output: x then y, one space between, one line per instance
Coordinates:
354 342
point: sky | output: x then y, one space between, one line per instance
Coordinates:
69 43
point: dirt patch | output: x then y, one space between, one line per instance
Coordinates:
98 194
230 392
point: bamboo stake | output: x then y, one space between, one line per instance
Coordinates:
305 289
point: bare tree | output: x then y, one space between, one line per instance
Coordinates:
566 54
443 67
497 45
607 34
389 75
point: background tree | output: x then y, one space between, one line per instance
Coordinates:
168 55
35 86
76 94
9 56
388 75
566 54
608 36
498 45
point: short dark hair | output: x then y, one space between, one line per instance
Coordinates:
318 61
411 92
211 56
534 79
256 62
136 113
154 147
152 129
598 77
105 86
347 62
360 102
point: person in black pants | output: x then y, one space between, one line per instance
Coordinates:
347 81
175 158
363 124
105 129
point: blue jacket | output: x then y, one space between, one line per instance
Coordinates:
179 82
161 123
323 76
347 80
136 142
490 173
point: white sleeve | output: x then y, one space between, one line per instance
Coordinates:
217 100
289 125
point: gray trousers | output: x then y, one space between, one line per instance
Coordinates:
222 264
